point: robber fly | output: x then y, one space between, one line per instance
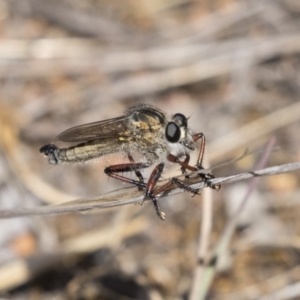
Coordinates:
157 136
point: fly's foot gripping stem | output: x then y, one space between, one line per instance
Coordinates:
160 213
206 179
184 186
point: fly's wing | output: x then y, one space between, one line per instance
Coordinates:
105 129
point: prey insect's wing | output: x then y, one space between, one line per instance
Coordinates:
105 129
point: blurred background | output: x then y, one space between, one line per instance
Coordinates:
232 66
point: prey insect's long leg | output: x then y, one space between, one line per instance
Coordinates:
113 171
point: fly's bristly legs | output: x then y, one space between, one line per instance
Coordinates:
113 171
205 177
138 174
151 192
150 188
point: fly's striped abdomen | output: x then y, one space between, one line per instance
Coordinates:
81 152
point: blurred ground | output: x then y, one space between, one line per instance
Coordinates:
233 66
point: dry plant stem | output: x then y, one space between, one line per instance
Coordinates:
205 229
204 239
206 224
9 141
247 133
135 196
205 274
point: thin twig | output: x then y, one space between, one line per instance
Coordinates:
135 196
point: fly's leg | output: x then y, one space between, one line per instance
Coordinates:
199 165
186 162
154 177
152 193
206 177
137 172
179 183
113 171
184 165
196 137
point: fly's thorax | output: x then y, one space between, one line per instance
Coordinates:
144 123
146 126
146 114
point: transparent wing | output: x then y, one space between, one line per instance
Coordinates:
98 130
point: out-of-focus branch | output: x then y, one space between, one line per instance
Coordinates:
79 55
76 21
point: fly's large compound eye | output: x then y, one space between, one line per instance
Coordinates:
173 132
182 120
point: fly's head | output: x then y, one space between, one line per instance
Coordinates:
178 136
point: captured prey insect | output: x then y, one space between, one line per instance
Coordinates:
157 136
